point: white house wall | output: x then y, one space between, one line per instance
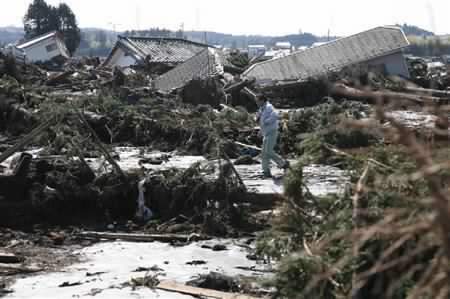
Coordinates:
121 59
38 52
63 48
394 64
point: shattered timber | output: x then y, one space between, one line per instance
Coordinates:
152 157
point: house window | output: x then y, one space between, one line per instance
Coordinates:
51 47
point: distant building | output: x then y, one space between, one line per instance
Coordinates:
271 54
283 46
44 47
256 50
381 47
168 52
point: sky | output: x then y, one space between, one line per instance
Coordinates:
343 17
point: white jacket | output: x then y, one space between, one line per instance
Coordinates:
268 118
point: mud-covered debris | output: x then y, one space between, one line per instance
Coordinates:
10 258
69 284
196 263
215 281
245 160
216 247
149 281
207 91
153 268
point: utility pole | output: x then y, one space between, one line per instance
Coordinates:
114 26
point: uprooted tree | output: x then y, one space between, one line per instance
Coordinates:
42 18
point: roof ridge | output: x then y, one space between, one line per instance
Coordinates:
159 38
38 37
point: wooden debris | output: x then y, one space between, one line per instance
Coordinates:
59 78
249 92
241 182
9 269
433 92
103 149
357 94
144 237
9 258
172 286
248 146
238 86
26 140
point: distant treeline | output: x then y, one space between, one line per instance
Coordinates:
411 30
98 42
435 47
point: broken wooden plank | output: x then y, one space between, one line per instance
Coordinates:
144 237
9 258
248 146
250 93
238 85
172 286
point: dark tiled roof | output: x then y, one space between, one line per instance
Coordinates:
165 50
208 62
331 56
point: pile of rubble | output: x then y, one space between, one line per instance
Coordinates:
91 106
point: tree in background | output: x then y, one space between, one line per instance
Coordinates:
42 18
68 26
36 20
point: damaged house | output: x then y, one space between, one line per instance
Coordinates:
208 63
197 77
45 47
165 53
381 47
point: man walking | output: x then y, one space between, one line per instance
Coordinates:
268 120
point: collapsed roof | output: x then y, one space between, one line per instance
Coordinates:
332 56
209 62
158 50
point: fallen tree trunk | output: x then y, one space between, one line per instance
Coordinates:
143 237
172 286
357 94
433 92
